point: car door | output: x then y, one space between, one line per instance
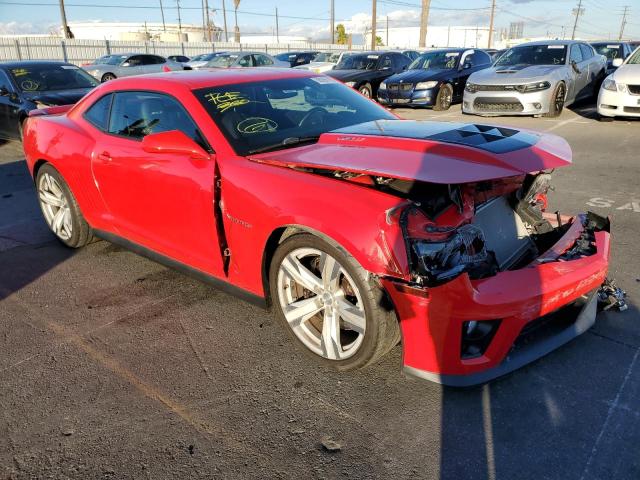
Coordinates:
594 66
579 71
9 108
260 60
162 201
467 65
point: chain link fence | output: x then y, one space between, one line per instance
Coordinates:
83 51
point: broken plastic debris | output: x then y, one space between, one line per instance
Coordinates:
611 296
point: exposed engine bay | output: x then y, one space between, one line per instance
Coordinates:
479 228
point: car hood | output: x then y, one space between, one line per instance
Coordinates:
436 152
515 74
420 75
62 97
352 75
627 74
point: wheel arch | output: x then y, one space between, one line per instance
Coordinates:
37 166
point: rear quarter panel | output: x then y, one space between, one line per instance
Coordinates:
61 142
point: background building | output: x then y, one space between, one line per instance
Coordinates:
132 31
437 36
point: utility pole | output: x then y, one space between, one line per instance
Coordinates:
65 27
164 27
424 20
277 28
374 5
204 21
577 12
387 42
236 36
493 11
209 32
332 20
624 22
179 19
224 17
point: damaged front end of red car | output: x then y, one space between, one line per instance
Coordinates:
496 282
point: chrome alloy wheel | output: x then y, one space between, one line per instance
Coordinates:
55 207
321 303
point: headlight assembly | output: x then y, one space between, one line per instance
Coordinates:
610 84
350 84
471 87
426 85
533 87
40 105
383 86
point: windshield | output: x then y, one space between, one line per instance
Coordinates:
533 55
222 60
441 60
358 62
635 58
609 50
327 57
110 60
281 113
45 78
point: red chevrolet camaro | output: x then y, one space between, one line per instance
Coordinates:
360 229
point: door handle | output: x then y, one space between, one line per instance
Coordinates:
104 156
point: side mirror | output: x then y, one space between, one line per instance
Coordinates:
174 141
575 66
467 65
126 64
617 62
4 91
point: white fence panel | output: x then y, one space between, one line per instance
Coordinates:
83 51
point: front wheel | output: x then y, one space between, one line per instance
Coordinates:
329 305
444 98
556 104
365 90
60 209
108 76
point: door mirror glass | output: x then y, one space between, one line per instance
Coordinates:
174 141
616 62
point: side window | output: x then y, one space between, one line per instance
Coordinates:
385 62
135 60
137 114
586 50
5 82
262 60
158 60
576 54
246 61
98 113
481 58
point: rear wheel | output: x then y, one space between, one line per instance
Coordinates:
444 98
365 90
60 209
328 304
556 104
108 76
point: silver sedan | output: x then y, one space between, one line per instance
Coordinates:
241 59
537 78
126 64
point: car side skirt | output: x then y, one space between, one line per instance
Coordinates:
181 267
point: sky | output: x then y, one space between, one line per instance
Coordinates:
601 18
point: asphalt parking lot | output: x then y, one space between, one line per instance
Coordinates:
112 366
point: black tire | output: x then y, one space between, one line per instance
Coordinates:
382 331
81 233
21 129
366 90
107 76
556 104
444 98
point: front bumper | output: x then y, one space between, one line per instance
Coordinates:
411 98
555 297
618 104
507 102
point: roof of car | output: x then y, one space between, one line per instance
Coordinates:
549 42
195 79
26 63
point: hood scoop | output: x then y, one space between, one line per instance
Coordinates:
435 152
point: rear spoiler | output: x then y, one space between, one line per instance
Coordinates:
57 110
